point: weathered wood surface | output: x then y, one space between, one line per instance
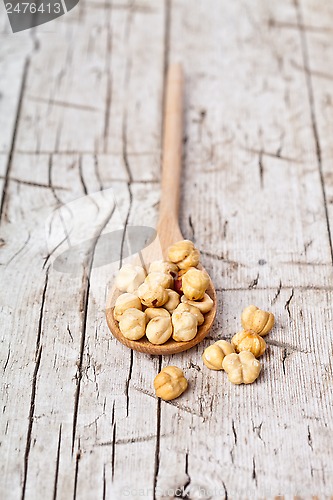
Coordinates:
80 111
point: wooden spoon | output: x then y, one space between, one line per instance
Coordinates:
168 231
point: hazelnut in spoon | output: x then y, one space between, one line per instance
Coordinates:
168 232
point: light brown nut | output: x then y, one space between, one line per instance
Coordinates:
195 283
214 355
163 266
159 330
249 341
156 278
155 312
170 383
125 301
185 326
183 307
129 278
204 305
132 324
258 321
152 295
242 368
173 300
184 254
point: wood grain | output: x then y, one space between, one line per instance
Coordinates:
79 417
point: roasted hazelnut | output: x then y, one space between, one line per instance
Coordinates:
195 283
214 355
154 312
242 368
163 266
152 295
159 330
258 321
170 383
249 341
132 324
125 301
173 300
129 278
185 326
193 310
156 278
184 254
204 305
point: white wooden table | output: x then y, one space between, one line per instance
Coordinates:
80 112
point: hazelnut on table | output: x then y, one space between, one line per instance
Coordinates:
170 383
257 320
159 330
129 278
249 341
184 254
195 283
132 324
214 355
125 301
152 295
185 326
204 305
242 368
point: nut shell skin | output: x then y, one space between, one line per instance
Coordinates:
155 312
132 324
184 254
204 305
183 307
170 383
125 301
173 301
152 296
195 284
159 330
214 355
249 341
129 278
242 368
257 320
185 326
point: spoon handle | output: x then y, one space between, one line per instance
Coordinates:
172 147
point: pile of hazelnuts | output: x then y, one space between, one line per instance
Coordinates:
168 302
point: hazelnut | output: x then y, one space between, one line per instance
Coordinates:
204 305
195 283
177 284
132 324
125 301
242 368
155 312
163 266
193 310
129 278
152 295
159 330
258 321
214 355
172 301
157 278
184 254
185 326
249 341
170 383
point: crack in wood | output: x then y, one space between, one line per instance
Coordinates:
55 487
